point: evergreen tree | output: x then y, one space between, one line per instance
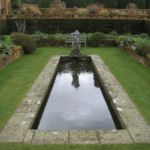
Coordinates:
123 3
44 3
30 1
147 4
108 3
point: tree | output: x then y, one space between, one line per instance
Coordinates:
123 3
30 1
108 3
147 4
44 3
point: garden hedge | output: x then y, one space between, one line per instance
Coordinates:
52 26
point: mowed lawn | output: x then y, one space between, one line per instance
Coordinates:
17 78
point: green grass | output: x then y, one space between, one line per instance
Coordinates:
17 78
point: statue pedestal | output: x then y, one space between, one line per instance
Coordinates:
75 53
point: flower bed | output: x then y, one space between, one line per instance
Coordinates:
130 50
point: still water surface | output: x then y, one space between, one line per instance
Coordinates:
76 101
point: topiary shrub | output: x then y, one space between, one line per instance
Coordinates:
25 41
114 33
143 35
51 40
143 50
96 39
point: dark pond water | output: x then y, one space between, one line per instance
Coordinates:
76 101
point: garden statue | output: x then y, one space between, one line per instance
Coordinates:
75 51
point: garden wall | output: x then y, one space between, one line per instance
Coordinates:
131 51
5 59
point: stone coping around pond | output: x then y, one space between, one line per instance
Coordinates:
136 128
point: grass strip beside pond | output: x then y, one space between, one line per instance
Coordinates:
17 78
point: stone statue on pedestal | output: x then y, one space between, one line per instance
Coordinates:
75 51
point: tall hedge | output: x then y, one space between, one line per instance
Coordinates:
52 26
147 4
44 3
123 3
147 27
3 26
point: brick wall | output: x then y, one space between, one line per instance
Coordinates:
6 5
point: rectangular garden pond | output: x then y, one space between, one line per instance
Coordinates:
25 126
77 100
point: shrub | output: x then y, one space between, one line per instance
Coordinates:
30 10
2 38
4 49
143 35
143 50
114 33
93 9
25 41
16 4
96 39
51 40
57 8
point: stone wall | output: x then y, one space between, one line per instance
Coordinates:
131 51
5 59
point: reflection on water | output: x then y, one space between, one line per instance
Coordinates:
76 101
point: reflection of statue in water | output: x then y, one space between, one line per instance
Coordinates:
75 52
76 67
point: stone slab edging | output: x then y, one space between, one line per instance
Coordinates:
136 128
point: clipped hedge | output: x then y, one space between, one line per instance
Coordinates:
3 27
52 26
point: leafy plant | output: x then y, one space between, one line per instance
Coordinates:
114 33
39 36
2 38
5 50
143 35
79 12
143 50
143 42
96 39
124 14
124 41
89 35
